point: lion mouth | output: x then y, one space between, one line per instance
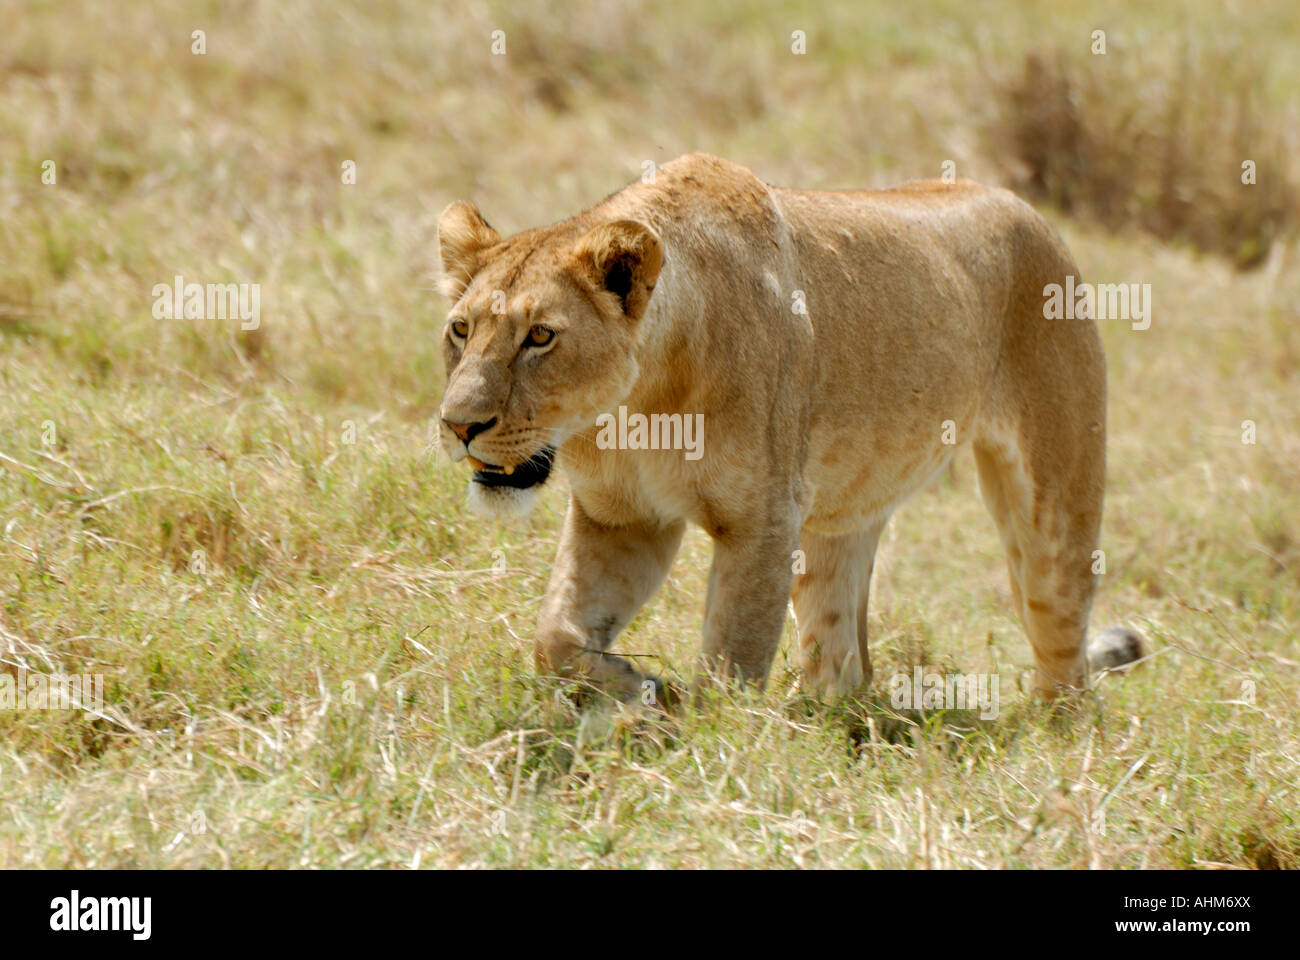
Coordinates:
530 473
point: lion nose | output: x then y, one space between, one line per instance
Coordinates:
468 431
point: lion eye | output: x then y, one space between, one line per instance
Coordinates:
460 328
539 337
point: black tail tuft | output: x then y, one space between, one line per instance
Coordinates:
1115 647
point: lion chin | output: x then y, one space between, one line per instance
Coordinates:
502 502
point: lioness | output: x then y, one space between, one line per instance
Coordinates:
837 344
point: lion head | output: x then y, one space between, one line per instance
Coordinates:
540 339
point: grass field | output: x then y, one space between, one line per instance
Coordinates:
315 657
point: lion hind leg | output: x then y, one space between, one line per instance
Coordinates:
1048 511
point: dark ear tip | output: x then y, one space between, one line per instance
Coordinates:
622 257
461 212
618 279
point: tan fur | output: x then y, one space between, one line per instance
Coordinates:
924 304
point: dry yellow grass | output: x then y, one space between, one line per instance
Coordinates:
344 678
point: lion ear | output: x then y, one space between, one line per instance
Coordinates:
624 258
463 235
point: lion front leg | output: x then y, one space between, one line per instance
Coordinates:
830 597
601 578
749 589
